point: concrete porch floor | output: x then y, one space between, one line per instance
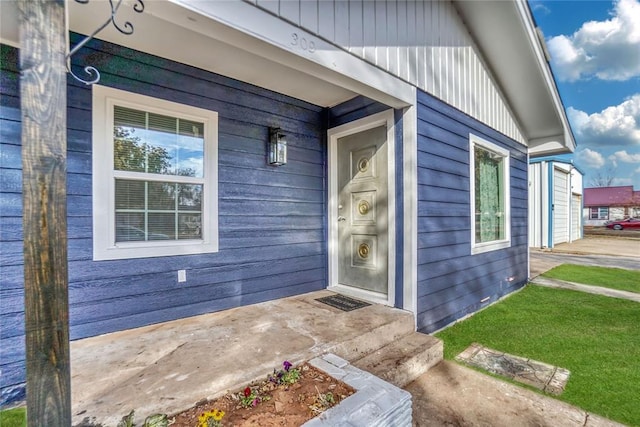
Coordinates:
168 367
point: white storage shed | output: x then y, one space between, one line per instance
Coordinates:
555 202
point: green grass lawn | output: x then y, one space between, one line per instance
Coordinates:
595 337
614 278
13 418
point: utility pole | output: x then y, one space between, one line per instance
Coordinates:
43 97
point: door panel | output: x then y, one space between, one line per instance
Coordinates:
560 207
362 209
576 213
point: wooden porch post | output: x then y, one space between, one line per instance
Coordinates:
43 92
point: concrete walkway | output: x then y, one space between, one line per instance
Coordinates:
454 395
619 247
168 367
597 290
595 251
542 261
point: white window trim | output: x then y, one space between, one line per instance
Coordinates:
477 248
104 245
598 210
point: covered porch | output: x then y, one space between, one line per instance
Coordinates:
168 367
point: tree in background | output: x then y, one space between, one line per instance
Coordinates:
132 155
603 179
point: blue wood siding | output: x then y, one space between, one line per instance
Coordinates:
271 220
451 281
354 109
12 368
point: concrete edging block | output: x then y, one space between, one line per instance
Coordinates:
375 402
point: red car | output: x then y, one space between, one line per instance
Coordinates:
624 223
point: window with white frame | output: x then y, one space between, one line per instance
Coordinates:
601 212
154 177
490 201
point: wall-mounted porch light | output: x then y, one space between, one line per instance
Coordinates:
277 147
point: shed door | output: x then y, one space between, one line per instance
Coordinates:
560 206
576 216
362 209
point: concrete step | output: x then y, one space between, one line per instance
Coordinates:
362 345
403 360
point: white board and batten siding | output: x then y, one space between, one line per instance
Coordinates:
577 221
555 203
560 206
538 221
424 43
576 217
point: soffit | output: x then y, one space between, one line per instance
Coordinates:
505 33
170 31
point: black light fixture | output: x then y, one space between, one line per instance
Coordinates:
277 147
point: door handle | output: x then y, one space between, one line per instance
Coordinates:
341 218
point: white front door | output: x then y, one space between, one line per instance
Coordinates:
361 208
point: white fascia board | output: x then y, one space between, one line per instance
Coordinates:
565 167
268 37
569 142
548 146
324 60
9 18
8 41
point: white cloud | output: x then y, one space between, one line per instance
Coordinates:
539 7
608 50
623 156
622 181
618 125
579 119
590 158
193 163
637 171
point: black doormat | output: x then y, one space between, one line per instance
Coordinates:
342 302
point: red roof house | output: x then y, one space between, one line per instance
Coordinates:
603 204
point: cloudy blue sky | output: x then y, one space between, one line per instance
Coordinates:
595 57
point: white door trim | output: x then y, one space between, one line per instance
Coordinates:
382 118
410 208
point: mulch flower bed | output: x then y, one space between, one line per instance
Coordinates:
289 397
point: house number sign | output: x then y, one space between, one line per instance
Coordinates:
302 43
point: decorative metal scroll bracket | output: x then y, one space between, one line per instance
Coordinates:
127 29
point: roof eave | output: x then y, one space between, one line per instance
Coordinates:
506 34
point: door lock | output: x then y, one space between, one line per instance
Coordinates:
341 218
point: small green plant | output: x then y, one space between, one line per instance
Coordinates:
211 419
323 402
156 420
285 376
326 399
250 397
127 420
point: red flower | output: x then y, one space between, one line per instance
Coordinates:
247 392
